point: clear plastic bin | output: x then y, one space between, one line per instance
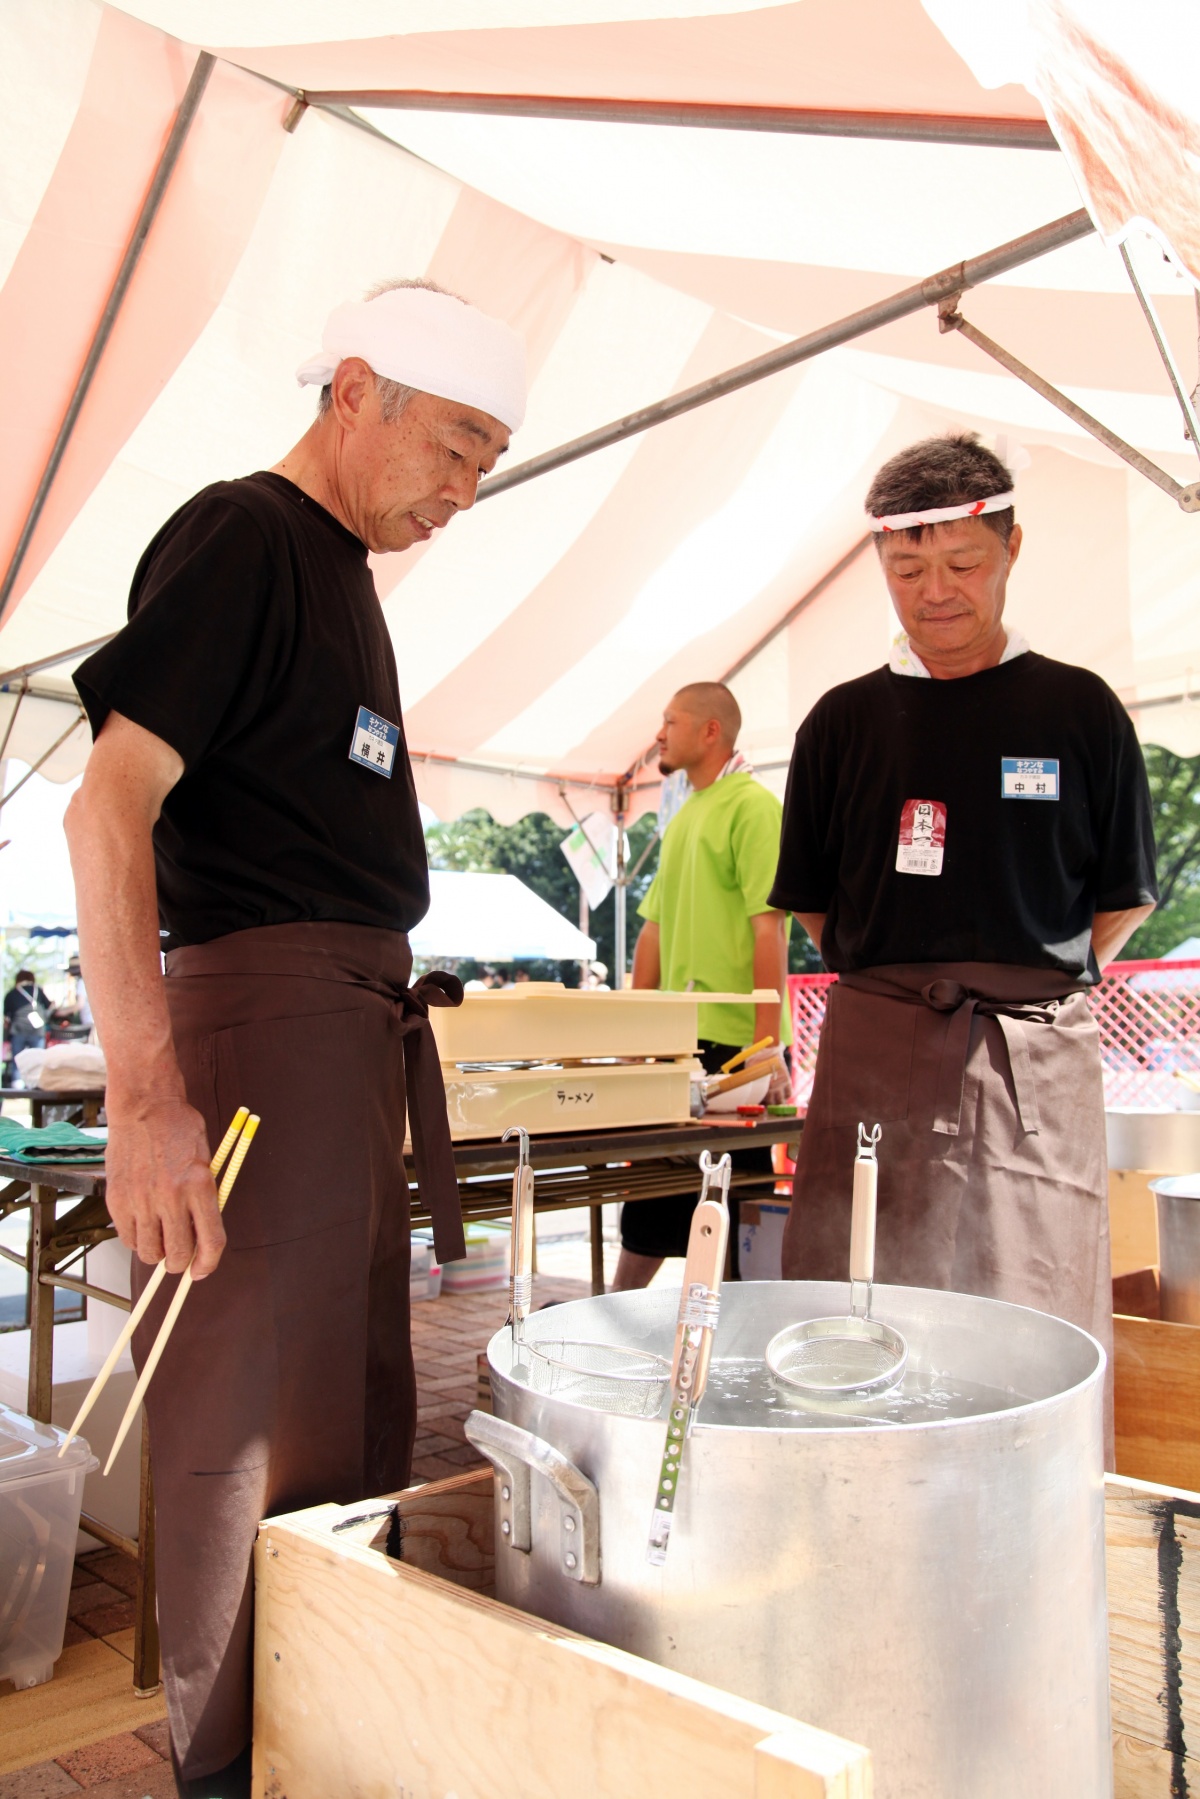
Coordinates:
40 1502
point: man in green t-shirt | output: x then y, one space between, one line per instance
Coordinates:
709 928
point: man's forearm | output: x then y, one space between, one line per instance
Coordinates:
647 957
770 970
1111 931
113 863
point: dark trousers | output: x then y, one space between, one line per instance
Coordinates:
288 1380
659 1227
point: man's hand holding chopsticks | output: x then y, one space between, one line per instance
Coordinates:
161 1193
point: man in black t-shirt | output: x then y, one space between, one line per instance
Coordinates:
249 796
967 836
26 1013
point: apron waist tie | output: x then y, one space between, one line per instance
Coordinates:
433 1153
952 997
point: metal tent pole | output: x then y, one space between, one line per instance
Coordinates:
620 806
804 121
133 252
930 292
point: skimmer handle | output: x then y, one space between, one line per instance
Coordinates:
862 1217
520 1261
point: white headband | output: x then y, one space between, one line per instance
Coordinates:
906 521
429 341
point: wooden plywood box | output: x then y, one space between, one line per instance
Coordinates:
401 1677
1132 1221
383 1666
1156 1378
1153 1557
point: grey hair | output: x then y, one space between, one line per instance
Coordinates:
940 471
393 395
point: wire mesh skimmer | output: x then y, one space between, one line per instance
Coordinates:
608 1376
825 1359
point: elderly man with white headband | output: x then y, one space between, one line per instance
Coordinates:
967 836
249 800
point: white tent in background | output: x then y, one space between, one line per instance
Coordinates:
494 918
652 191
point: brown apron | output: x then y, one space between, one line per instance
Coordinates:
288 1380
993 1178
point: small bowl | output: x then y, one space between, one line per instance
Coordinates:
751 1094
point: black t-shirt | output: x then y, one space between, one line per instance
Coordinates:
19 1001
962 776
254 637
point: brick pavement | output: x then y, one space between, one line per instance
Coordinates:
448 1335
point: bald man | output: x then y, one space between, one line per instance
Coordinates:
709 927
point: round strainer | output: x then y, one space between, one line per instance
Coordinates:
845 1358
605 1375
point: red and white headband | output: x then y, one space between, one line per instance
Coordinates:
938 515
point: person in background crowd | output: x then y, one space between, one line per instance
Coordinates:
26 1015
710 927
967 836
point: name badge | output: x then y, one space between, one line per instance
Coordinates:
1029 777
922 838
374 742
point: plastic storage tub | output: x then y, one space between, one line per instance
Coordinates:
486 1263
40 1501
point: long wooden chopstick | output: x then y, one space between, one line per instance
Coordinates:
151 1288
181 1293
751 1049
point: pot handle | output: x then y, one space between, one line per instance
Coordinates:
514 1453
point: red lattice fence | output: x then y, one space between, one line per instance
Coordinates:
1148 1014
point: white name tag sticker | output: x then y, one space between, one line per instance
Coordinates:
1029 777
922 843
374 742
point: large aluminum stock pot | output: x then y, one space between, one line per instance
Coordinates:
927 1583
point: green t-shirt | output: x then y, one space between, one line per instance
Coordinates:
715 870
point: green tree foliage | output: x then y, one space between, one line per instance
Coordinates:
1175 792
529 849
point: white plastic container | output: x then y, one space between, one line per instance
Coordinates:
40 1500
485 1265
418 1270
760 1241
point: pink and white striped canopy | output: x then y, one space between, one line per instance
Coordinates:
538 640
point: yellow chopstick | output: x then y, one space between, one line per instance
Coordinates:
751 1050
181 1293
151 1288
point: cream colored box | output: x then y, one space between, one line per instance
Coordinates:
543 1021
566 1099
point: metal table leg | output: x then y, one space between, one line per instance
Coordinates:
147 1675
597 1231
40 1392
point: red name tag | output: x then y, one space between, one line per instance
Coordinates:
922 841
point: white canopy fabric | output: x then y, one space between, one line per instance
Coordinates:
539 637
494 918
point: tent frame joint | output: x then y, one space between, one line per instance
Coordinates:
950 319
296 111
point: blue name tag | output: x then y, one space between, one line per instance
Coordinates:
1029 777
374 742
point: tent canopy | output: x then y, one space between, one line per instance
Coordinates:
494 918
539 637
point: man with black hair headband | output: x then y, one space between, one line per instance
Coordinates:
968 838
